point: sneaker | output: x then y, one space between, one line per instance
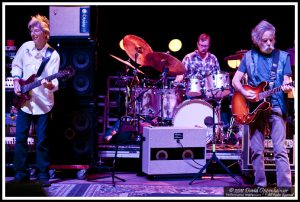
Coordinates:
44 183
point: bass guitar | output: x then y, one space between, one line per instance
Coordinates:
31 83
246 111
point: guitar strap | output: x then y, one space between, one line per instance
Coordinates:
47 57
274 68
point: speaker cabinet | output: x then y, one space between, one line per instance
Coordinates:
269 159
80 55
73 133
171 150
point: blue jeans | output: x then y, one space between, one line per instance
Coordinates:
278 135
23 124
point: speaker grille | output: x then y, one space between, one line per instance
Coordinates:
73 133
80 54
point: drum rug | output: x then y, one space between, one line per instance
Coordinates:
104 190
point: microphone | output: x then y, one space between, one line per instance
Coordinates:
208 121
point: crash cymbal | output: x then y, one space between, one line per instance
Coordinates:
159 60
126 63
137 49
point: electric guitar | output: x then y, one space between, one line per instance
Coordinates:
246 111
31 83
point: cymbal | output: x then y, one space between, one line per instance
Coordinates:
159 60
137 49
126 63
237 56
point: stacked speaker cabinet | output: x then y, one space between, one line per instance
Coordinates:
78 54
73 124
173 150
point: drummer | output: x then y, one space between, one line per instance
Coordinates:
199 63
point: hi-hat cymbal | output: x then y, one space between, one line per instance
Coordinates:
137 49
126 63
237 56
159 60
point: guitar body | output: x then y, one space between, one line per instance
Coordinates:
246 111
31 83
18 101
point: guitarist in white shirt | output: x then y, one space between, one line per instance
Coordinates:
37 109
257 64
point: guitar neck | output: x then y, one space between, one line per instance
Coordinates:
272 91
30 86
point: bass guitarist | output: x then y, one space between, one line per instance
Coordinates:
27 62
264 63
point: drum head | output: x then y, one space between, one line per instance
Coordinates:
192 113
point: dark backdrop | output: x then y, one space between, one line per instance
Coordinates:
229 26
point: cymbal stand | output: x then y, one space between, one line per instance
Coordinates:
214 157
127 95
164 86
137 118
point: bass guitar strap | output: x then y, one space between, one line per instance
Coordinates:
274 68
46 59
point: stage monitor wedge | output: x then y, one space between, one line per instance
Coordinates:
170 150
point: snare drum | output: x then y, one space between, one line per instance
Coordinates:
217 85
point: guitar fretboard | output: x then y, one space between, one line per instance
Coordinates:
37 83
270 92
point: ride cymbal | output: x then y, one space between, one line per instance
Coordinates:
159 60
137 49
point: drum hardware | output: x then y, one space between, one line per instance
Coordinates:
137 49
168 65
134 81
230 135
214 157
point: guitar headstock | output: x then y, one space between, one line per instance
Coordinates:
67 72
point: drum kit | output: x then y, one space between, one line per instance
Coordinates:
168 104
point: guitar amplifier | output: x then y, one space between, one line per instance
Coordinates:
269 159
69 21
173 150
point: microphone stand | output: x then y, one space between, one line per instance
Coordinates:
214 157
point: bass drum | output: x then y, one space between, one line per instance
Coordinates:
192 113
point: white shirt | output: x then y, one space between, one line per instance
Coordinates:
27 62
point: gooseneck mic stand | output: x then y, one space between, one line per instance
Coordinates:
214 157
